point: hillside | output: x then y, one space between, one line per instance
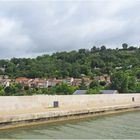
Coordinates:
120 65
96 61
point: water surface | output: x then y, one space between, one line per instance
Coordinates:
124 125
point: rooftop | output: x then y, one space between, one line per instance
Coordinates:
80 92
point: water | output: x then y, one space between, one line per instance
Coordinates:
125 125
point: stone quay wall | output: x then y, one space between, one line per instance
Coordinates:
15 103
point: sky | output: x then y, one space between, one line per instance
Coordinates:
29 28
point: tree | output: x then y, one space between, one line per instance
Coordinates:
103 48
8 90
19 86
94 49
119 81
123 82
64 89
94 84
83 85
102 83
131 48
1 91
97 63
26 87
132 84
137 87
82 51
125 46
93 91
138 74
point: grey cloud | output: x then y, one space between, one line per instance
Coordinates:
37 27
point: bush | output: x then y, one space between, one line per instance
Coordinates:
94 84
102 83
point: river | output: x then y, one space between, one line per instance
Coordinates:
121 126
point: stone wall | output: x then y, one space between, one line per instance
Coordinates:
9 103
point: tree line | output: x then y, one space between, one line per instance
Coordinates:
123 65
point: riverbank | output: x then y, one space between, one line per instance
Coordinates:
77 107
57 115
115 126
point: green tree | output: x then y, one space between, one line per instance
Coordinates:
119 81
123 82
64 89
102 83
94 84
137 89
83 85
1 91
26 87
125 46
138 74
103 48
132 84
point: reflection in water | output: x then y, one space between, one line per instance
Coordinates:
126 125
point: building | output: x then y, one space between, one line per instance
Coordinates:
80 92
105 78
5 82
109 92
38 83
68 81
22 80
118 68
4 77
76 82
54 82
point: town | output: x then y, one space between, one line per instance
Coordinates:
46 83
40 83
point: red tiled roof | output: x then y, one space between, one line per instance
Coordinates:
21 79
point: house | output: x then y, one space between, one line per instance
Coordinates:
1 77
68 81
118 68
103 78
21 80
109 92
5 82
130 66
38 83
54 82
2 69
80 92
87 81
4 77
76 82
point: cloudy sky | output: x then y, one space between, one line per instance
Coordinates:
31 28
